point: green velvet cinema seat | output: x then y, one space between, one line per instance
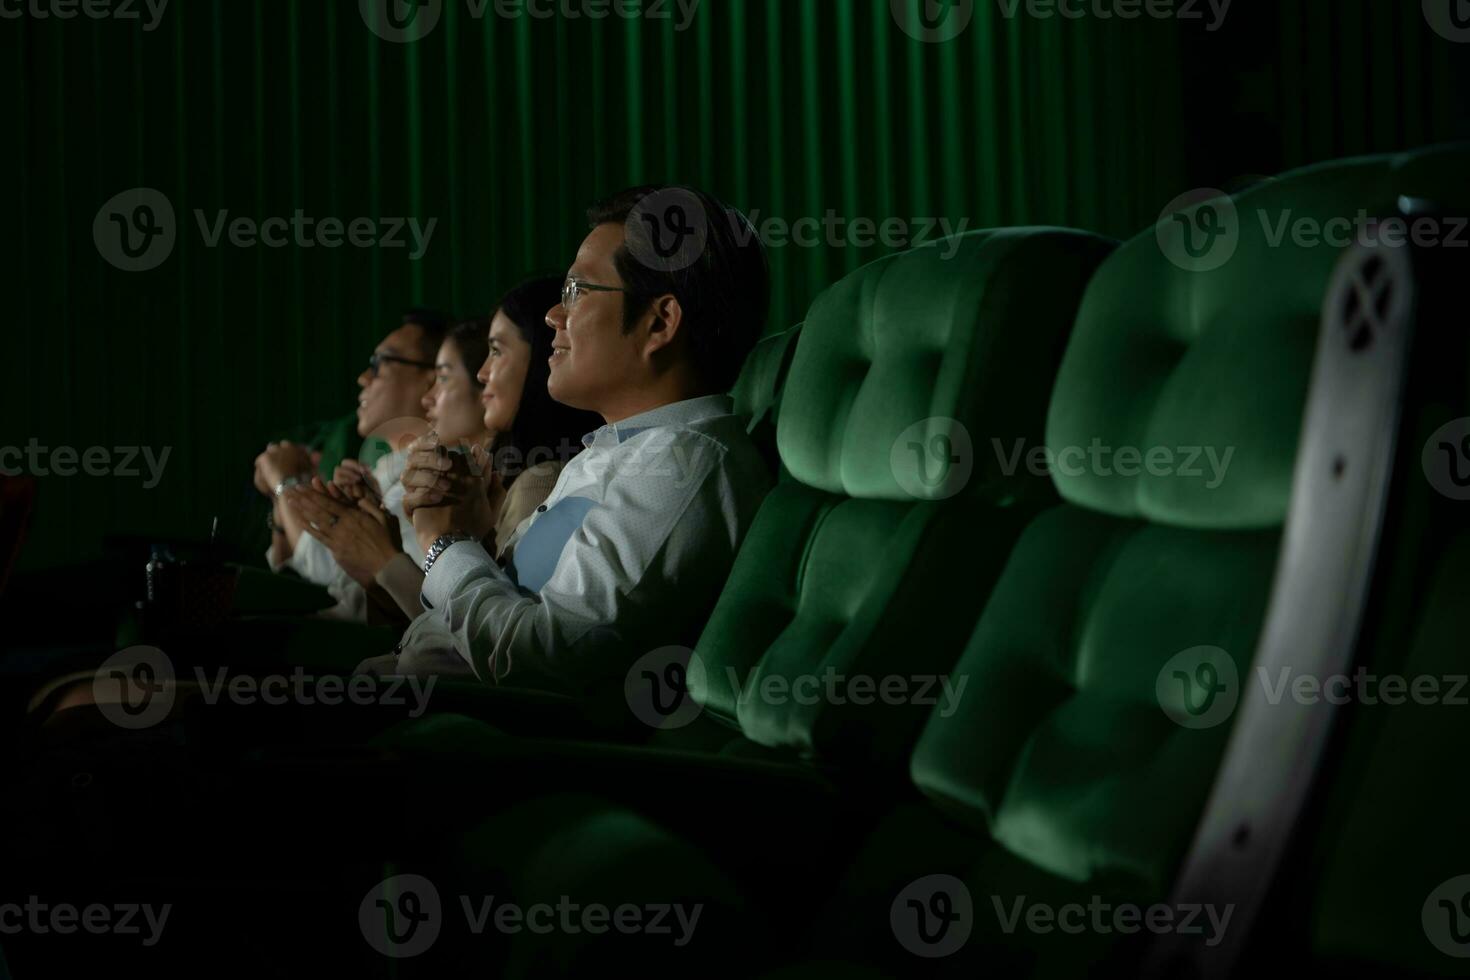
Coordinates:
862 566
757 392
1111 671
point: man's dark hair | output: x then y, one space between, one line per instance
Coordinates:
433 328
541 423
723 288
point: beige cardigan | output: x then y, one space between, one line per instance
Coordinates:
403 580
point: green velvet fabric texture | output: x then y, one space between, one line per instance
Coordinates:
831 598
1178 360
760 601
845 560
757 392
1061 751
958 338
1060 748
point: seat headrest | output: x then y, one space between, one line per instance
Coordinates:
1181 393
908 368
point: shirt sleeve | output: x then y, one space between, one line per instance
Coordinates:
389 474
649 536
313 561
351 599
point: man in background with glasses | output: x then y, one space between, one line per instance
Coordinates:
399 373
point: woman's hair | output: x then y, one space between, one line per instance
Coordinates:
472 339
544 429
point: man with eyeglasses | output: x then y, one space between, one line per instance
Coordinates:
667 296
399 373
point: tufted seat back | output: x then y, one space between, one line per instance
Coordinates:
856 586
1104 669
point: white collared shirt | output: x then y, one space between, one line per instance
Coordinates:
627 554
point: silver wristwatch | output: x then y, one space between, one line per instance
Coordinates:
288 483
441 544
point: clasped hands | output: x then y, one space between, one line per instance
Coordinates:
444 491
450 491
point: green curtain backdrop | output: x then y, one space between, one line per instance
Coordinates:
502 129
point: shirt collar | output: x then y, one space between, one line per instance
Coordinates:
674 413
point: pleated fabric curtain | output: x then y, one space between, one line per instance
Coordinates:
501 130
1360 76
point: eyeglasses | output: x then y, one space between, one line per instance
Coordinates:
376 361
572 290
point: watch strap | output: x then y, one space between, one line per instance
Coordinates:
442 544
288 483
